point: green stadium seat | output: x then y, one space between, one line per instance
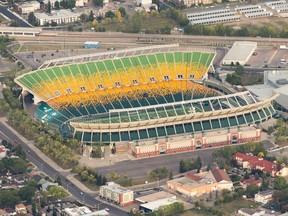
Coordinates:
143 134
124 136
170 130
224 123
134 135
179 129
152 132
232 121
161 131
178 57
197 126
87 137
96 137
206 125
106 137
255 116
215 123
78 135
241 119
248 118
188 128
115 137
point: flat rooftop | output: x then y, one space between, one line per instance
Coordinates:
156 204
57 14
155 197
240 51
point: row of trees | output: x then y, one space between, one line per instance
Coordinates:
267 30
89 175
190 164
159 173
50 141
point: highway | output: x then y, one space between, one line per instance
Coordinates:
44 166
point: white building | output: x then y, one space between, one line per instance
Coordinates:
59 17
240 52
27 7
81 3
155 205
83 211
116 193
143 2
264 196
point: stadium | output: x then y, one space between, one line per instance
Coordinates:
141 99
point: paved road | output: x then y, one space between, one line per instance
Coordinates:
140 167
43 165
12 16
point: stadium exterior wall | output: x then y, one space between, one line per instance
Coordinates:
235 136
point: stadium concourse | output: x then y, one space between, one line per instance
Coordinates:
129 98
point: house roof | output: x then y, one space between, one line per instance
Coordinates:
250 181
20 206
220 175
2 150
245 157
193 176
266 166
257 163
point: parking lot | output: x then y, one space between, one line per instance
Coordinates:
268 57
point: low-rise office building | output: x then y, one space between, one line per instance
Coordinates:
59 17
27 7
116 193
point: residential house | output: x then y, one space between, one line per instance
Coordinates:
264 196
3 153
20 209
252 162
245 182
201 183
251 212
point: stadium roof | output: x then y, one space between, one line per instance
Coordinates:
183 108
240 52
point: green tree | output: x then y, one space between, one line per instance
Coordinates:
136 22
110 14
280 183
98 3
251 190
34 211
159 173
49 7
83 18
57 5
59 180
27 193
91 16
122 11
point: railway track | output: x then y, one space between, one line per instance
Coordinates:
119 37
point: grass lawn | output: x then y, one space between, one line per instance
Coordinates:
232 207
